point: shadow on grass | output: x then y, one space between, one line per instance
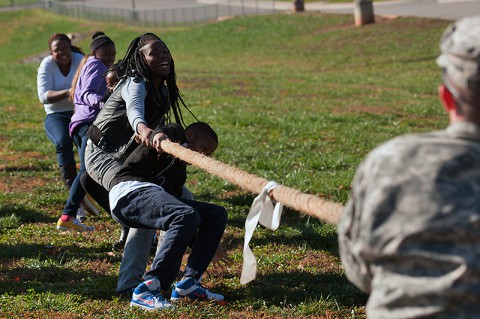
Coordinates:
65 253
57 280
297 287
57 269
24 214
295 229
305 237
26 168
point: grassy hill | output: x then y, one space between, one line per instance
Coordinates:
298 99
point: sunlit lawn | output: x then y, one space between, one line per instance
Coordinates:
298 99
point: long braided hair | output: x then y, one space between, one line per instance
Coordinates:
134 65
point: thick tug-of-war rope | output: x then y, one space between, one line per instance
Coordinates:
309 204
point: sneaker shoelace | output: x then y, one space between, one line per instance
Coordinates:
81 212
207 291
158 295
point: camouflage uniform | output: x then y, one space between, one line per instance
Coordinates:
410 233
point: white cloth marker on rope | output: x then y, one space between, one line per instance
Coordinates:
268 214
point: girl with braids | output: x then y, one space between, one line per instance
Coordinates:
145 97
54 79
88 88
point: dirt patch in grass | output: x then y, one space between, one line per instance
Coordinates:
21 184
14 157
356 109
231 194
198 82
45 314
21 162
335 27
398 23
10 108
388 110
319 260
394 22
239 87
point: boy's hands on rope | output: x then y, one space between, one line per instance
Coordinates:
156 138
150 138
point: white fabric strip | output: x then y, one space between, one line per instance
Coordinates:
268 214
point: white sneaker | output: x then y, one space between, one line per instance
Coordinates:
148 297
81 216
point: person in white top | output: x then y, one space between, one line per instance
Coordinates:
54 79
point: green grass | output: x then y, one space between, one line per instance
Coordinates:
4 3
299 99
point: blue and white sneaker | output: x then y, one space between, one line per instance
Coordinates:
192 289
147 296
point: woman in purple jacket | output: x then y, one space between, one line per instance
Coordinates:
89 87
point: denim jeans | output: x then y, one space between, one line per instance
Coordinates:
136 252
77 193
56 127
135 258
183 221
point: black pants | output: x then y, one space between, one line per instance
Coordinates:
98 193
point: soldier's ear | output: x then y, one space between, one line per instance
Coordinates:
446 98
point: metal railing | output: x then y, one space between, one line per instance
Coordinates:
163 16
14 3
20 4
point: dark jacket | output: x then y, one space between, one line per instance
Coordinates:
146 165
111 131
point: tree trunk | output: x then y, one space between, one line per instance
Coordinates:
298 6
363 12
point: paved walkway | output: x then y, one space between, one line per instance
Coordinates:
444 9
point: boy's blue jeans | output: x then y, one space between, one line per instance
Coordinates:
182 220
136 253
56 127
